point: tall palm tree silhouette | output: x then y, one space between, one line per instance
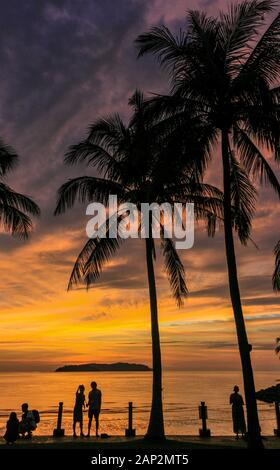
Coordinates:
137 167
276 274
277 346
15 208
226 73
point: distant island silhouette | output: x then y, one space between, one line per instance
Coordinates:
115 367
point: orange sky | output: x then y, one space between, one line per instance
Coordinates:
53 84
43 326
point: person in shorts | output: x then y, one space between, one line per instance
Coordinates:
94 407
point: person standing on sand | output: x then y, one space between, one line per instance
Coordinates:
238 419
94 407
78 410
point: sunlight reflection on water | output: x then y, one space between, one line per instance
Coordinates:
182 393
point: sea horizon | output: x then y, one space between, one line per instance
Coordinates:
182 393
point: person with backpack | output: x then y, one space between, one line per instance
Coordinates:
29 421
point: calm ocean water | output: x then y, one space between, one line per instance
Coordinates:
183 392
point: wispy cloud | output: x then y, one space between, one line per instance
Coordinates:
63 65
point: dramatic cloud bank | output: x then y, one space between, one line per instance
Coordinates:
63 64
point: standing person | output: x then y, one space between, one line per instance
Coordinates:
12 429
78 410
238 419
28 422
94 407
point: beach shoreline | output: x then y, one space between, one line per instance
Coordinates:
120 442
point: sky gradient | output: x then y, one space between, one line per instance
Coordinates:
63 64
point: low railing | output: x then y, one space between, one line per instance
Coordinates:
204 431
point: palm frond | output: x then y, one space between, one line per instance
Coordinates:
210 208
207 200
15 208
205 189
276 274
15 212
161 42
202 28
175 270
162 109
15 221
178 125
8 158
205 197
99 148
243 195
204 55
207 208
95 155
260 121
10 197
93 257
108 132
253 161
265 57
137 100
275 94
86 189
98 251
240 26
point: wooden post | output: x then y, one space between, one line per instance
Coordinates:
277 412
58 432
204 432
130 432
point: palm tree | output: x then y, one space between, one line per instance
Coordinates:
276 274
277 346
226 73
15 208
136 166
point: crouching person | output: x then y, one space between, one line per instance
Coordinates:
29 421
12 429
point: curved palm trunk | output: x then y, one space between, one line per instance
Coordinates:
156 423
254 437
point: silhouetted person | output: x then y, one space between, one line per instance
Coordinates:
12 429
28 423
238 419
78 410
94 407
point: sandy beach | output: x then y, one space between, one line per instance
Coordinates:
119 442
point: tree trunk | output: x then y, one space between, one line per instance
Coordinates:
156 423
254 436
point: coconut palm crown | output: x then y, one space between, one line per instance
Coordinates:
15 208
